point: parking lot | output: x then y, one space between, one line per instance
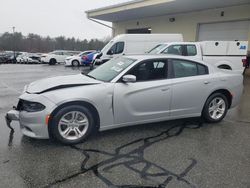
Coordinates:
183 153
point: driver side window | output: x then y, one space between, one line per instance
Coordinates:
117 48
174 50
151 70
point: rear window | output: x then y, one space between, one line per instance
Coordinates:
191 50
184 68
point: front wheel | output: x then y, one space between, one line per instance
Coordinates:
75 63
72 124
216 108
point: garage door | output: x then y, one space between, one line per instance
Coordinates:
224 31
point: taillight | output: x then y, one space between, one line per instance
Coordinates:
244 61
84 58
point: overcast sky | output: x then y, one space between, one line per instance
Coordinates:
53 17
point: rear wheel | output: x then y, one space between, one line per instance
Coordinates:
75 63
216 108
52 62
72 124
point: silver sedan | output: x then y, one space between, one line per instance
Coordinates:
125 91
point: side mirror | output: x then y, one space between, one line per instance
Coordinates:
129 78
110 52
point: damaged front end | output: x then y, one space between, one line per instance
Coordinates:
12 115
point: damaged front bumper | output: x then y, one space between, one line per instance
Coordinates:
12 115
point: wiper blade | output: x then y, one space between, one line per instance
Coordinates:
90 76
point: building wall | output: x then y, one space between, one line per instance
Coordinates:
186 23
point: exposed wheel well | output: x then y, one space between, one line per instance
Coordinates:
227 94
52 59
81 103
224 66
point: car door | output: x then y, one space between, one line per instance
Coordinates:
190 86
146 100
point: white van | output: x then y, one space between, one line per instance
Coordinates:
222 54
135 44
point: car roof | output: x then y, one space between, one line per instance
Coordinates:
177 43
155 56
164 56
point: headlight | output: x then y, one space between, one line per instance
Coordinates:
30 106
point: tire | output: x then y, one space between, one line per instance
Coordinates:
75 63
215 108
52 62
64 126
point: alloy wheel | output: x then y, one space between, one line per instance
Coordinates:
217 108
73 125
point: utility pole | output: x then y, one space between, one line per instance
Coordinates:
14 46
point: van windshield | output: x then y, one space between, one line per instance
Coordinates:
111 69
157 49
106 48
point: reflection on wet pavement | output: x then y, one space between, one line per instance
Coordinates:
134 157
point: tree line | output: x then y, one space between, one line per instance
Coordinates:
36 43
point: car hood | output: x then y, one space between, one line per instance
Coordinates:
59 82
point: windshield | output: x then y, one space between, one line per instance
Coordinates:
80 54
157 48
106 48
111 69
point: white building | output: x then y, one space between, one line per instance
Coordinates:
195 19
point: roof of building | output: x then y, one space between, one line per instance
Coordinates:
137 9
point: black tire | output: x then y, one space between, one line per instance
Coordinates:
75 63
54 129
205 113
52 62
91 66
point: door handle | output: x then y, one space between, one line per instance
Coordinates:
165 89
206 82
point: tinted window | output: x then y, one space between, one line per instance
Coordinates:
68 53
202 69
191 50
183 68
150 70
157 49
117 48
58 53
173 49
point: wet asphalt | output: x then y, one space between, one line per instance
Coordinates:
182 153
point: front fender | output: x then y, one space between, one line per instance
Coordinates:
99 96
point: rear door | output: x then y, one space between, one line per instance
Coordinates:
190 86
